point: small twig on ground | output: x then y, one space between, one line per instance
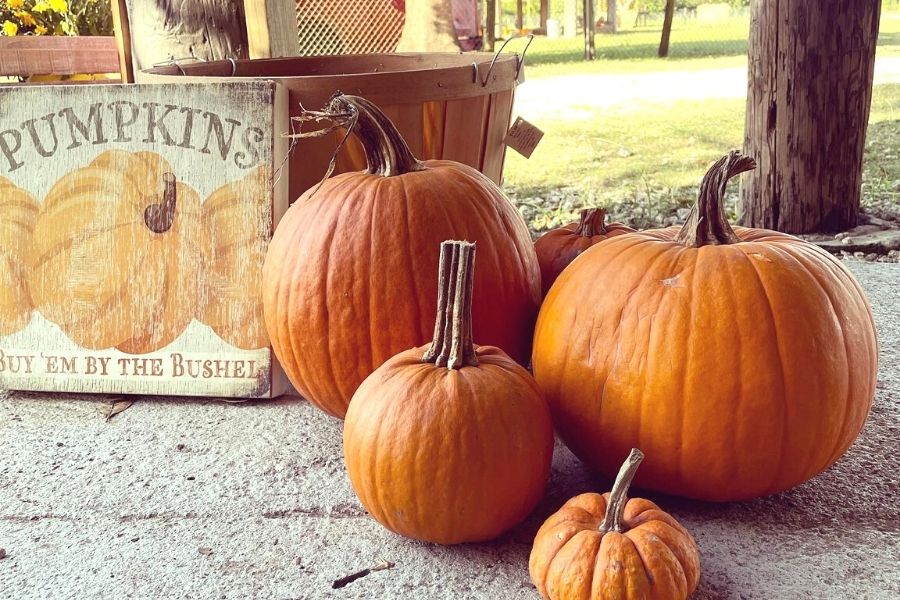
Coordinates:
339 583
118 406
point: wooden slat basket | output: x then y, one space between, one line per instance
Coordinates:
447 106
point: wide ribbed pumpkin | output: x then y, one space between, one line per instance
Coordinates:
349 278
559 247
610 547
450 442
237 220
18 212
116 253
743 362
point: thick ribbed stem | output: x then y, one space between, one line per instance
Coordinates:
160 216
706 224
387 153
593 222
452 345
614 519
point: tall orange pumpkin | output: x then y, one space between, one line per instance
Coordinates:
742 361
559 247
18 212
349 278
450 442
231 300
116 253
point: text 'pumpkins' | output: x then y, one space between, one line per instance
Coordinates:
742 361
18 213
611 547
450 442
349 278
116 253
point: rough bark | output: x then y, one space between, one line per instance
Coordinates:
810 89
667 29
428 27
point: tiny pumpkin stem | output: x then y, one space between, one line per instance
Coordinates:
160 216
706 224
387 153
452 346
593 222
614 519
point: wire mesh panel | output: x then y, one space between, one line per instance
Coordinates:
348 26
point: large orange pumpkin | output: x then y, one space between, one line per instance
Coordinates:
610 547
238 221
349 278
450 442
18 212
116 253
742 361
559 247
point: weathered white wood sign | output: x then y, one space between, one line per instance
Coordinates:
134 222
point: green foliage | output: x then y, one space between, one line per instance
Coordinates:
55 17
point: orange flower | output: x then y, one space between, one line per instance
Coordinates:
26 19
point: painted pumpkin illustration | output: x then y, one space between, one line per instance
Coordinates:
18 212
116 253
233 259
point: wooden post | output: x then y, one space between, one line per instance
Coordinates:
519 18
590 28
271 28
810 90
123 39
667 29
490 24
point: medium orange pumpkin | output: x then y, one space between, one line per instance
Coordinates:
349 278
743 361
559 247
116 253
611 547
231 302
18 212
450 442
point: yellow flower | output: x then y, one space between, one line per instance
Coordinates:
10 29
40 30
40 7
25 18
59 6
14 4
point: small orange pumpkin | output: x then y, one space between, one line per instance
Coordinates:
745 360
559 247
116 253
18 213
450 442
231 301
349 278
611 547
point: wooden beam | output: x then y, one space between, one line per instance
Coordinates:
123 39
667 29
271 28
50 55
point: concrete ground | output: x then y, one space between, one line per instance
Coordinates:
203 499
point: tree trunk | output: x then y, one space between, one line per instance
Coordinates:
611 15
519 15
428 27
810 89
589 29
490 24
667 29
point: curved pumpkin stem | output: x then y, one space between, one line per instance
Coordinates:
387 153
706 224
160 216
593 222
614 519
452 345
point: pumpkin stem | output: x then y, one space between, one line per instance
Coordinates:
387 153
593 222
706 224
452 345
160 216
614 519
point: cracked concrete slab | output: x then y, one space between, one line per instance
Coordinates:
203 499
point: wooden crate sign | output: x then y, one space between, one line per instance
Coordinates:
134 221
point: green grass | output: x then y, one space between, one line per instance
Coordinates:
645 164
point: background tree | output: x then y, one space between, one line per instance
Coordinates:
428 27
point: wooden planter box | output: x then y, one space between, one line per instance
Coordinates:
50 55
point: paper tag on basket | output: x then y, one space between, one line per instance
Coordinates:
523 137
